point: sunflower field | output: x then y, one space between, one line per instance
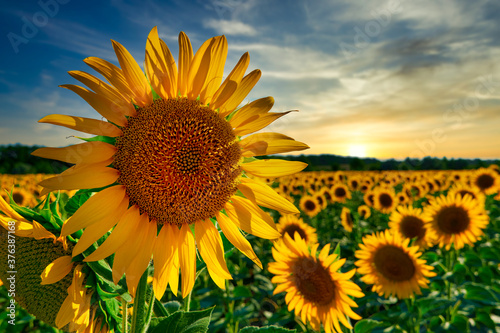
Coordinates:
391 251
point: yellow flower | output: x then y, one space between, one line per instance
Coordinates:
455 220
385 199
170 162
364 211
391 266
411 223
486 180
291 224
309 205
340 192
347 219
315 288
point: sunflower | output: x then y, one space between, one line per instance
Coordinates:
50 287
486 180
394 268
309 205
347 219
402 198
455 220
410 223
171 156
291 224
462 190
369 198
385 199
364 211
315 288
340 192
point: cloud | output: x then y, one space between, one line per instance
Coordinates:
230 28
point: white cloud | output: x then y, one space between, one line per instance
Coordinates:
230 27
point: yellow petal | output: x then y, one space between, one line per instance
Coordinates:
269 143
198 69
234 235
126 254
95 231
121 234
251 111
39 232
210 246
160 66
57 270
98 207
273 168
86 125
265 196
9 211
256 123
163 255
218 54
87 152
218 280
141 261
85 177
244 87
110 109
250 223
185 58
67 312
229 85
133 74
187 258
114 75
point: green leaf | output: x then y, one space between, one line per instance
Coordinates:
172 306
366 325
337 251
485 274
482 294
472 259
240 292
101 138
266 329
77 201
432 304
182 322
459 272
485 319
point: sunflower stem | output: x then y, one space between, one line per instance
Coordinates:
138 316
149 312
187 301
124 316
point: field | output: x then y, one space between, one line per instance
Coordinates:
439 270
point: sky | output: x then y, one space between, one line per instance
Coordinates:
383 79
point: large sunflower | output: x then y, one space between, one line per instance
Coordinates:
391 266
385 199
171 157
316 289
411 223
456 220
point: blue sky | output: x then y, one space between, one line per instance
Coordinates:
382 79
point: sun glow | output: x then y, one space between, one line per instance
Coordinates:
357 150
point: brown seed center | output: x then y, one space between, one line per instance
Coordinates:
394 264
453 220
291 229
412 226
310 205
340 192
178 161
385 200
313 281
485 181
